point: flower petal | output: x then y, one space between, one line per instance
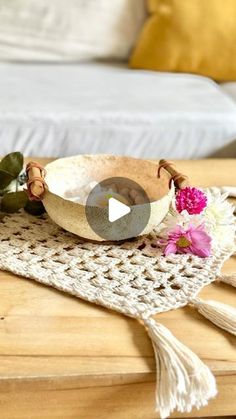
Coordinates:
200 238
201 252
170 248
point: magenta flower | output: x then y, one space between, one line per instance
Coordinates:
194 240
191 199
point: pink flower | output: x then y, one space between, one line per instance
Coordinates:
193 240
191 199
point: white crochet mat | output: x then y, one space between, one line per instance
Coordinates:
132 278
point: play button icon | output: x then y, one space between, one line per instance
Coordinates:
116 210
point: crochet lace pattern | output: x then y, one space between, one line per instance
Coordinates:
131 277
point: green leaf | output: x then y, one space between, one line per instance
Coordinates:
12 163
5 178
13 201
34 207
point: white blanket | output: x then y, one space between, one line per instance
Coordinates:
60 110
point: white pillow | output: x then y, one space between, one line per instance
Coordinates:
69 30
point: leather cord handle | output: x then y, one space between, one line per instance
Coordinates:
180 180
36 185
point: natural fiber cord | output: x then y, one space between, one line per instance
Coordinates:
183 380
220 314
229 279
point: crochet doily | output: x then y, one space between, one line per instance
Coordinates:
131 277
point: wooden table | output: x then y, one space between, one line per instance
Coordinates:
63 358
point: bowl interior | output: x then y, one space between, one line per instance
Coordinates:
72 173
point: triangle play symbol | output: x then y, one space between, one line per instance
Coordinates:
117 210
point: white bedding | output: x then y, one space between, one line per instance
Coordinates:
60 110
230 89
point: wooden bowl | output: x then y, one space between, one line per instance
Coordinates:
69 173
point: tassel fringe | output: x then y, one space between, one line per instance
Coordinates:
184 381
229 279
220 314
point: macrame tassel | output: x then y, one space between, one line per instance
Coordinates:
184 381
229 279
220 314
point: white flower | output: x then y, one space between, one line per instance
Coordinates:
183 219
219 219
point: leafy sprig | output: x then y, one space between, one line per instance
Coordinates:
12 177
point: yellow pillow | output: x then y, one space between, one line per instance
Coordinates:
191 36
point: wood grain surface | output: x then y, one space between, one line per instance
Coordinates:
63 358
